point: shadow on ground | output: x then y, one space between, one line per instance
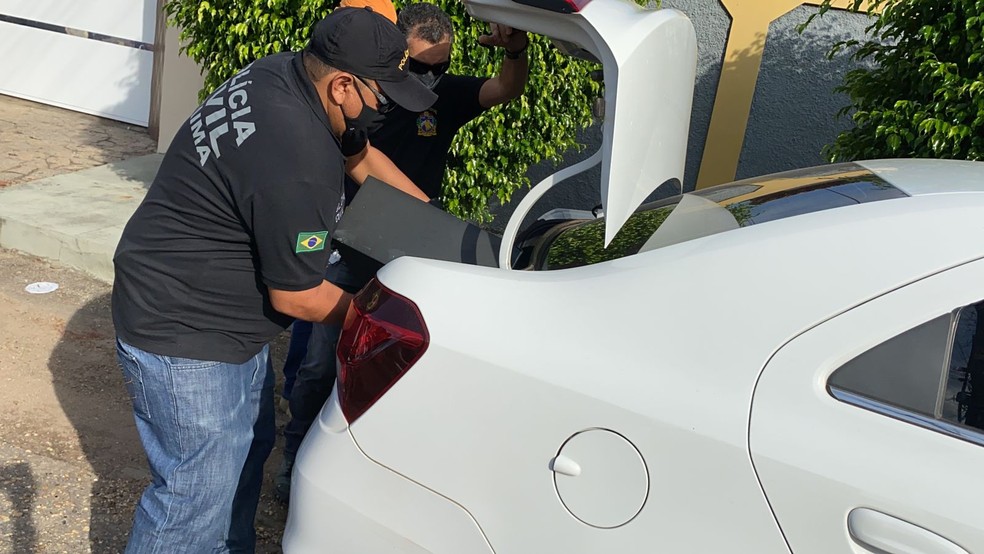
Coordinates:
17 484
89 385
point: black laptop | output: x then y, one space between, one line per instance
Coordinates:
385 223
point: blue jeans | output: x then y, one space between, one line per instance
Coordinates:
207 428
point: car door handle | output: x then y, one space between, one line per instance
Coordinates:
884 533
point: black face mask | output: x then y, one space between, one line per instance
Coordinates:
428 74
357 129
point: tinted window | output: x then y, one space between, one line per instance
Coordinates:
905 371
932 375
963 401
807 199
748 202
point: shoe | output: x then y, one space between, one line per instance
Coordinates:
281 482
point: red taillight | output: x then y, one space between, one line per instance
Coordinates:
560 6
383 336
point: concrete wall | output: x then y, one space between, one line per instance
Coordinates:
180 81
791 115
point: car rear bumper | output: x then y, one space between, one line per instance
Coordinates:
342 501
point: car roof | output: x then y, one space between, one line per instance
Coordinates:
924 176
914 177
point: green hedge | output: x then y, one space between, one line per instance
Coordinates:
921 93
488 158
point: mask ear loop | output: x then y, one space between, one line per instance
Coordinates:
355 83
353 141
361 99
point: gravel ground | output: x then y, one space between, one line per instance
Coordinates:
71 466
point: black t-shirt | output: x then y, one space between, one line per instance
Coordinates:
418 143
247 197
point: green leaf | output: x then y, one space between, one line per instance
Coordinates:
489 157
919 92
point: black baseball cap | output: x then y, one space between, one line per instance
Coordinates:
366 44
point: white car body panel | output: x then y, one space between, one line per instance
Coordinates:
650 63
370 508
663 348
672 400
459 421
815 473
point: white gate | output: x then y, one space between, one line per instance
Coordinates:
89 56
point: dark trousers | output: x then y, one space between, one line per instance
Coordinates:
312 385
315 377
300 333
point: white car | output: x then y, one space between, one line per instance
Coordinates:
793 363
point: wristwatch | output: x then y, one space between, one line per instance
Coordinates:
516 55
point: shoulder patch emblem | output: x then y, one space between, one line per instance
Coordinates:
427 124
311 242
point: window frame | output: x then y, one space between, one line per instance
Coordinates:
935 423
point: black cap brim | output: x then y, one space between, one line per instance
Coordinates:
410 93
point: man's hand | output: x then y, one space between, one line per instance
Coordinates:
502 36
511 80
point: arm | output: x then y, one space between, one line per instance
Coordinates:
325 303
511 80
292 223
373 162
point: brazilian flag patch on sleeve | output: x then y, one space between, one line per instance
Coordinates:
311 242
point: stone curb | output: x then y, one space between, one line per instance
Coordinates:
76 219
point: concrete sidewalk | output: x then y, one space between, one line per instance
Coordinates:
76 219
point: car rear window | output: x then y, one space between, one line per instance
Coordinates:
748 202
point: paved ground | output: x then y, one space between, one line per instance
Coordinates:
38 141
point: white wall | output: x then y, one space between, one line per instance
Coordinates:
62 64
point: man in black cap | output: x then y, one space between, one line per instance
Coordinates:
229 247
418 142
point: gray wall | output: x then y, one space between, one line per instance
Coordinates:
794 111
793 114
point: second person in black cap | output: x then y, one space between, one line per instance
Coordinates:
227 248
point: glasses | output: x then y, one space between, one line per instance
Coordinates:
383 103
421 68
